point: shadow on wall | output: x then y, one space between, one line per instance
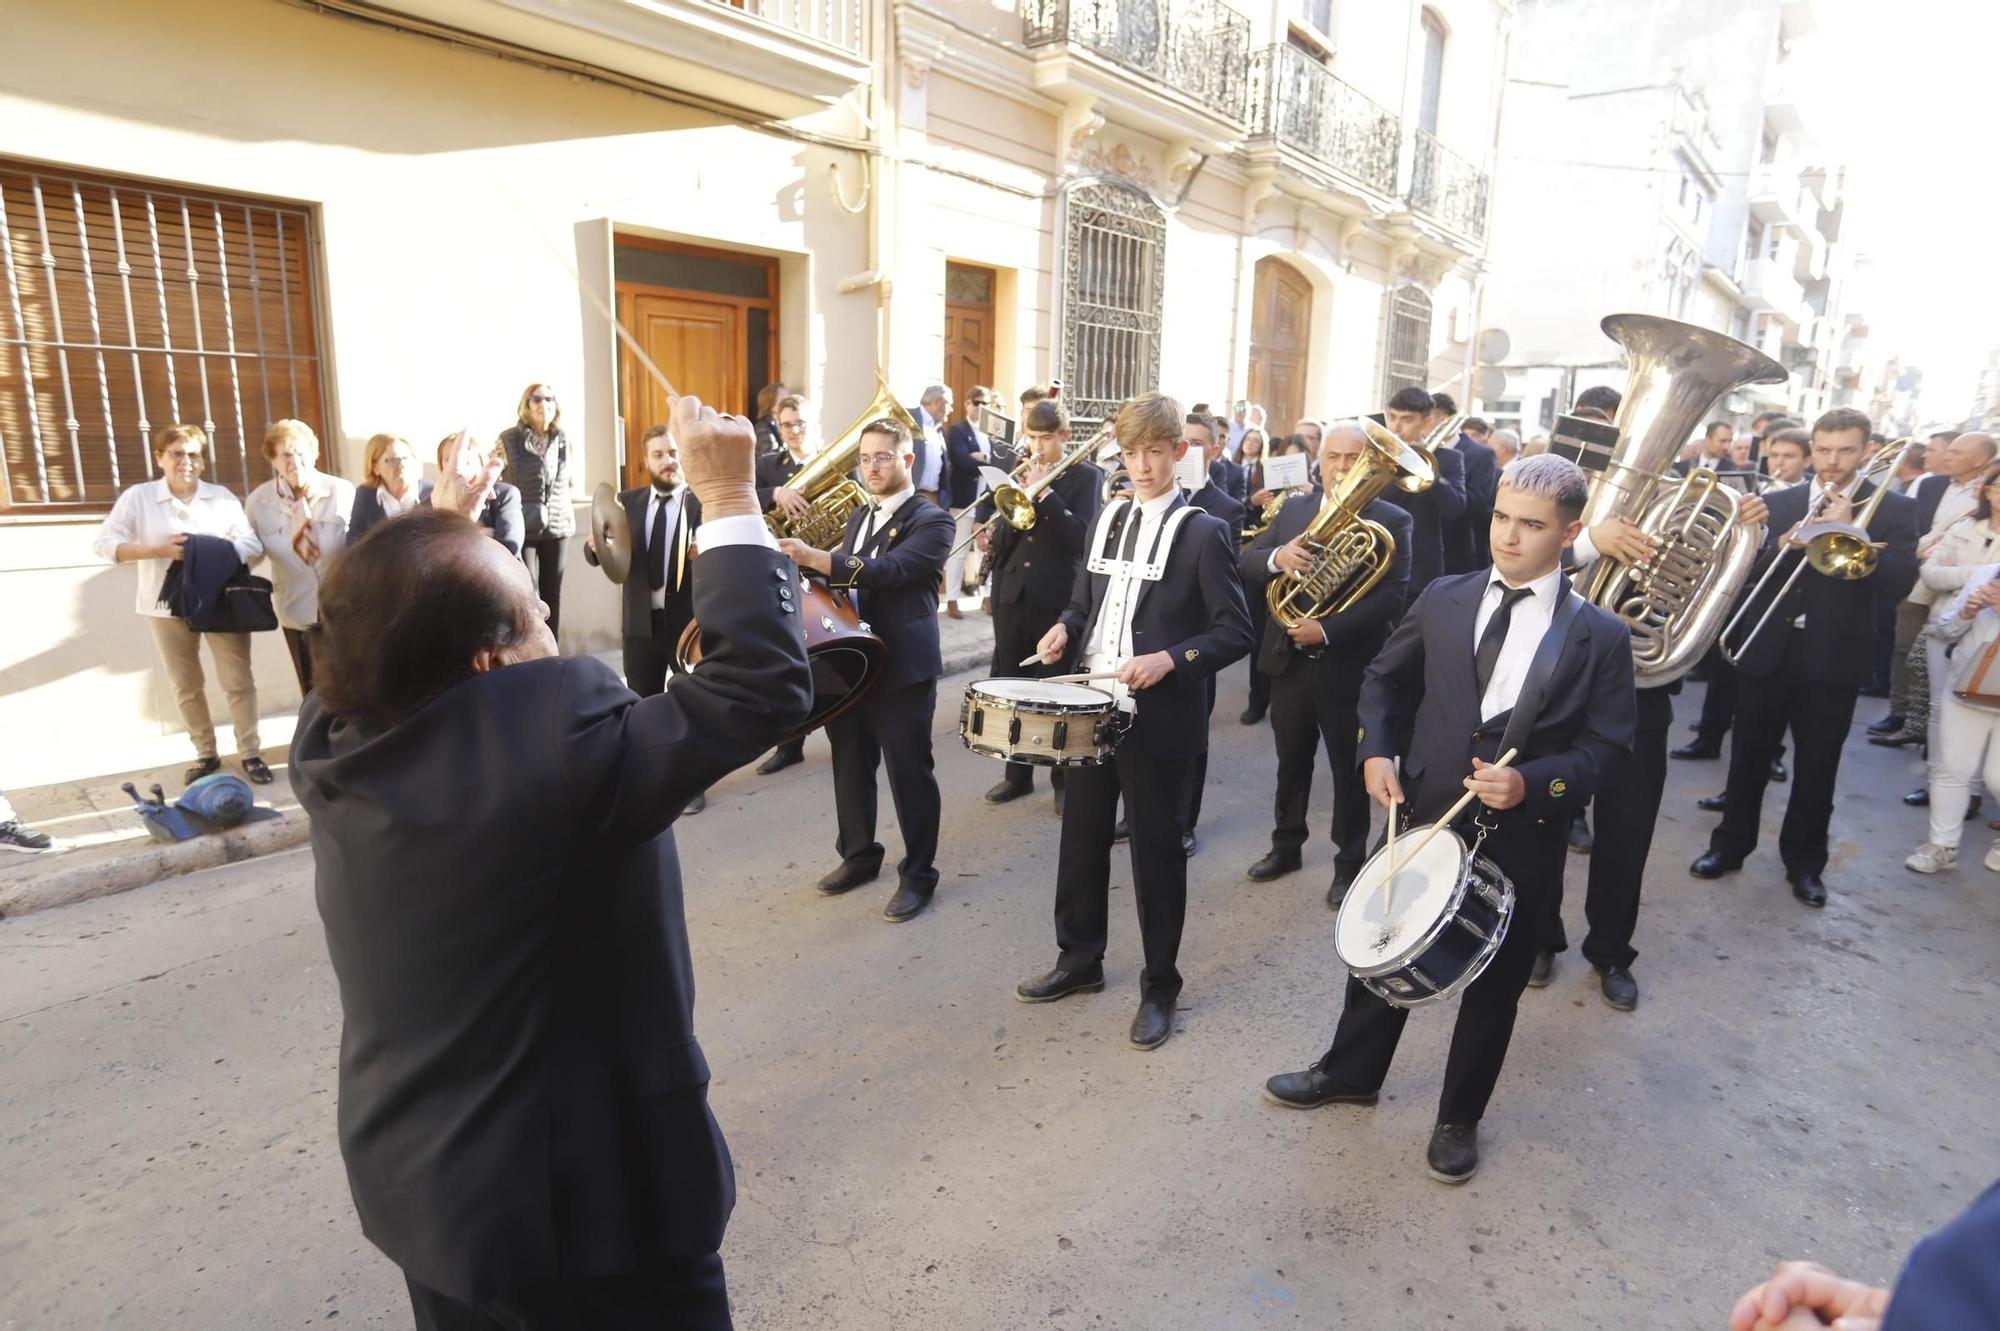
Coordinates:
103 605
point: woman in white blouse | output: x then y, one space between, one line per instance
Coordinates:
301 516
1966 737
389 484
148 526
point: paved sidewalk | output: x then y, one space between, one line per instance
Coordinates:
101 846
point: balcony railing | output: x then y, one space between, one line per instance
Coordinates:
1295 100
1446 188
835 22
1197 48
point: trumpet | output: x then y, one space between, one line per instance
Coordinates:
1014 501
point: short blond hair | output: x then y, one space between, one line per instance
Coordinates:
1147 417
288 431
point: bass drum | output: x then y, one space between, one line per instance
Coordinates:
846 658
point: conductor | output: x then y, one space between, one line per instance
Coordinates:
523 1104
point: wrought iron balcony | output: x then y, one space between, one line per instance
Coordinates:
1446 188
1295 100
1199 49
835 22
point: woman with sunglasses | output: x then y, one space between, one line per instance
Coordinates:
538 462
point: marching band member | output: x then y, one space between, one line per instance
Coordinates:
1035 570
888 562
795 423
1315 671
1435 507
1158 602
1204 435
1440 696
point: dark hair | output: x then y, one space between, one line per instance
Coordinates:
767 399
654 432
1591 414
1791 434
1044 416
1757 421
1983 510
1410 399
1604 397
1476 425
1208 422
1034 393
401 615
1708 430
1842 419
1296 443
1444 402
1949 436
1878 439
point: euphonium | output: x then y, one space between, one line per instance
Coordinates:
1350 553
1676 601
1268 514
827 482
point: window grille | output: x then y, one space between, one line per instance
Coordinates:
1409 340
126 307
1114 283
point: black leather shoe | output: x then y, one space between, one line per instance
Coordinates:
907 904
1713 803
1697 752
1920 798
1122 832
1276 864
258 770
1543 970
1060 983
1619 988
846 878
697 804
1808 888
1009 789
1888 725
1897 739
1778 772
1343 878
1579 835
202 767
1153 1024
1311 1089
1711 864
1251 715
1453 1156
1189 845
781 757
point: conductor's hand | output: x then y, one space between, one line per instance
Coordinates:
794 505
1621 539
1142 672
1752 509
1807 1294
1379 775
1053 644
1292 556
465 484
717 457
1497 787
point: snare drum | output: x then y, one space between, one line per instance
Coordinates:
1450 909
1046 725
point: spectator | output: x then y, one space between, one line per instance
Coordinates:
16 835
1479 429
389 484
148 526
769 439
302 518
1538 444
479 467
1506 446
1785 453
1250 455
538 464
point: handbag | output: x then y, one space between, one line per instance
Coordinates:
242 605
1982 686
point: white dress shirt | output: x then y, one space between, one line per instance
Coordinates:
879 513
1530 620
1110 644
933 471
393 507
743 529
148 513
671 500
273 515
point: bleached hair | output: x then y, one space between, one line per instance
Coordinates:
1548 476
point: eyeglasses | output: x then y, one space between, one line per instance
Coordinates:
878 459
542 397
792 427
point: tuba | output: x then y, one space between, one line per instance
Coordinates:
827 480
1350 553
1675 601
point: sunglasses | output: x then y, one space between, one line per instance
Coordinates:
541 397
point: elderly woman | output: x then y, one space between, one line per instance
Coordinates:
149 526
301 516
1964 734
478 467
538 463
390 483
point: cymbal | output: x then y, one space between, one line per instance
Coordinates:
611 533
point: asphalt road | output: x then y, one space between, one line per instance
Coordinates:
916 1149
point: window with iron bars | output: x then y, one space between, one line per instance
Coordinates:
1114 280
126 307
1409 359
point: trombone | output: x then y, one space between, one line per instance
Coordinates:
1014 502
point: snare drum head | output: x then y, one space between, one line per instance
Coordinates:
1364 934
1039 692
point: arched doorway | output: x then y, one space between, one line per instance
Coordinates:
1280 334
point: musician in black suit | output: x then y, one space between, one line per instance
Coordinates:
523 1106
1229 477
775 470
1465 539
1164 610
1432 510
888 562
1034 571
1205 431
1441 696
1315 669
1806 667
966 451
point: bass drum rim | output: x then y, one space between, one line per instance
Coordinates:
848 650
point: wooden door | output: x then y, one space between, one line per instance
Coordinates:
1280 334
968 329
696 343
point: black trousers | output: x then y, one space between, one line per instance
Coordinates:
1199 781
299 643
1260 683
1309 712
1364 1043
549 553
686 1294
1017 628
1819 716
649 660
1155 791
1718 704
1628 806
889 727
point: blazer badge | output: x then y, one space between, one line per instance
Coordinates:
1558 787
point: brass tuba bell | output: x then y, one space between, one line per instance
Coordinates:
1350 552
827 482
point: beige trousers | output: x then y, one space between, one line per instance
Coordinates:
180 650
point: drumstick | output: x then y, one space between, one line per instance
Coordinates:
1436 827
1079 678
1389 885
1032 658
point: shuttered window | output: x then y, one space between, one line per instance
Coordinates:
126 307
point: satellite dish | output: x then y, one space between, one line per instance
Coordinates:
1494 344
1490 384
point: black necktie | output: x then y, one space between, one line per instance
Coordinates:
1488 653
656 546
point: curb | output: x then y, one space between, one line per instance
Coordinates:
105 878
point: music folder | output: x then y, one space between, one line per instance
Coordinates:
1589 444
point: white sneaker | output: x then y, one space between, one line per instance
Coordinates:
1993 858
1931 857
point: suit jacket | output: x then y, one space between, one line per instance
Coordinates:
1231 477
637 592
1354 635
960 443
1195 613
1420 701
368 509
522 1097
1927 493
1470 546
922 444
894 582
1842 617
1037 567
1432 510
501 516
774 470
1210 499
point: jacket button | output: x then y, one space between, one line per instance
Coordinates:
1027 563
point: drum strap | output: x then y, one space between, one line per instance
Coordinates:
1535 688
